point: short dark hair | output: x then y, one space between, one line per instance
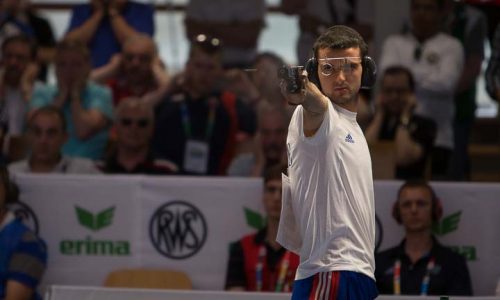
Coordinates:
417 183
274 172
340 37
49 110
23 39
396 70
436 207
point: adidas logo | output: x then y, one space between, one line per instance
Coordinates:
349 139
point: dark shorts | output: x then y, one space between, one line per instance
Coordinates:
342 285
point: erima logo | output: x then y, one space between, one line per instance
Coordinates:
89 245
349 139
96 221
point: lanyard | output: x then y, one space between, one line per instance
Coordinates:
186 119
283 270
424 286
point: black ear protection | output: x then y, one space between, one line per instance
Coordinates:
368 76
436 208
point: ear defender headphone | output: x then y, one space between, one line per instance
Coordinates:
436 206
368 77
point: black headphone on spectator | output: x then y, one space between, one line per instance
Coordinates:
368 76
436 206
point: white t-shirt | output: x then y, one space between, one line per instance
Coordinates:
67 165
331 202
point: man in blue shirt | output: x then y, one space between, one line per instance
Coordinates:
105 25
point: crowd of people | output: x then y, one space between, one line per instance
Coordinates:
115 108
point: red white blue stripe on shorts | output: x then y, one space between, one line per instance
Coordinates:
335 285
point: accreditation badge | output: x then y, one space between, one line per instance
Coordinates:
196 156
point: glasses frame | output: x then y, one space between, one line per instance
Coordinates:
346 66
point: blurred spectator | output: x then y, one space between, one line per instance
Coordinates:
46 137
86 106
3 157
491 9
23 255
134 123
17 79
420 265
260 83
394 120
257 262
199 125
104 25
136 72
237 23
269 143
18 17
315 16
436 61
493 70
469 26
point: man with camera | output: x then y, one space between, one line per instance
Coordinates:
330 186
104 25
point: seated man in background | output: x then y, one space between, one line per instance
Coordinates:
420 265
46 136
19 17
269 145
23 255
199 125
257 262
436 61
134 124
87 106
104 25
394 120
136 72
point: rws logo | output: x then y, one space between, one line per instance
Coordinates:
90 246
450 224
178 230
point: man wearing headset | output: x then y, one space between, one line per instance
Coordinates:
420 265
328 214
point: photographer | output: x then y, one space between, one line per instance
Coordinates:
104 25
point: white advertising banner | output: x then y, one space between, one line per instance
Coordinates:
95 224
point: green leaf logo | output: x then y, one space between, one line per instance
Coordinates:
95 222
254 219
447 225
